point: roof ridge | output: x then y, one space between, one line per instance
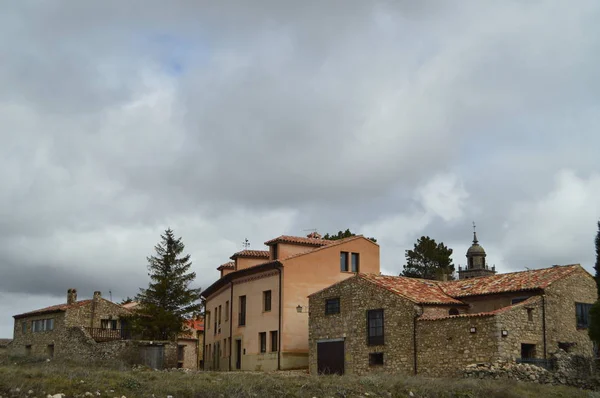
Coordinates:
335 243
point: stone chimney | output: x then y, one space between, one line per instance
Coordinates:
314 235
71 296
97 295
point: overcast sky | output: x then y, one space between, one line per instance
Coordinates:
234 119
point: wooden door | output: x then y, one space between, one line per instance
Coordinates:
330 357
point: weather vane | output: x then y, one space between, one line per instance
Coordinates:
473 226
246 243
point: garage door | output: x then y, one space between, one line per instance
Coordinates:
330 357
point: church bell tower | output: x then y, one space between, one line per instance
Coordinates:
476 265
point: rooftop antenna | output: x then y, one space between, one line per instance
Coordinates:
246 244
310 230
110 294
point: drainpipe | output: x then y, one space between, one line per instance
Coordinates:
544 321
230 323
415 316
280 320
204 339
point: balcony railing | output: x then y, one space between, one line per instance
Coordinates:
101 335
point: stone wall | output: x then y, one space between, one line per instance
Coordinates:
38 343
561 318
190 354
445 346
356 297
523 324
91 314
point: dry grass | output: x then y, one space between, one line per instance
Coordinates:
113 380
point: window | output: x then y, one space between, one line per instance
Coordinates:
344 261
242 318
262 337
216 318
530 314
208 319
180 353
332 306
354 257
28 349
226 311
219 317
274 340
267 300
518 300
453 311
583 315
42 325
375 327
108 324
527 351
24 327
375 358
50 350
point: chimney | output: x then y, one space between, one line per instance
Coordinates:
314 235
445 277
71 296
97 295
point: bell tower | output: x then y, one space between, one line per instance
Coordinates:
476 264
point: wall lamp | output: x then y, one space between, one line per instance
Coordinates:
473 329
301 309
504 333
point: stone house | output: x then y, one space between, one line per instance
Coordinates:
190 344
4 346
414 326
83 330
256 316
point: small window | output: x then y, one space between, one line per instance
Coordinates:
110 324
267 301
530 314
274 341
180 353
375 358
24 327
375 327
242 317
262 336
583 315
344 261
28 349
453 311
527 351
220 313
332 306
42 325
226 311
354 262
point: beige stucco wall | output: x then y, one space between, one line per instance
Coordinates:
307 274
243 262
285 250
561 318
222 333
356 297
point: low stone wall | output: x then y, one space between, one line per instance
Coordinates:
571 370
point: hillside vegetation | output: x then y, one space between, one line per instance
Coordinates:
39 379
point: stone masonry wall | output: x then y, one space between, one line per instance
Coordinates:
561 318
38 342
445 346
356 297
523 325
90 315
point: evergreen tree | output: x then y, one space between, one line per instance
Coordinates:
597 266
428 260
168 301
594 326
343 235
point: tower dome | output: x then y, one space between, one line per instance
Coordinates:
476 248
476 264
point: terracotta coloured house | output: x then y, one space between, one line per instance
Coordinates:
256 312
415 326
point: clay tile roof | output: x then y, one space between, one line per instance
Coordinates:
511 282
251 253
420 291
229 265
53 308
300 240
196 324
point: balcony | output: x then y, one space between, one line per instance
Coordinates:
102 335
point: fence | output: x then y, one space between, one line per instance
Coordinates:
547 364
100 334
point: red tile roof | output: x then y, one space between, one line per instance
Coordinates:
300 240
419 291
333 243
196 324
53 308
251 253
511 282
229 265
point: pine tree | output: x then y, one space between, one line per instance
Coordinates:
428 260
168 301
597 266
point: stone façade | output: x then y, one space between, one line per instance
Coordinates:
425 339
